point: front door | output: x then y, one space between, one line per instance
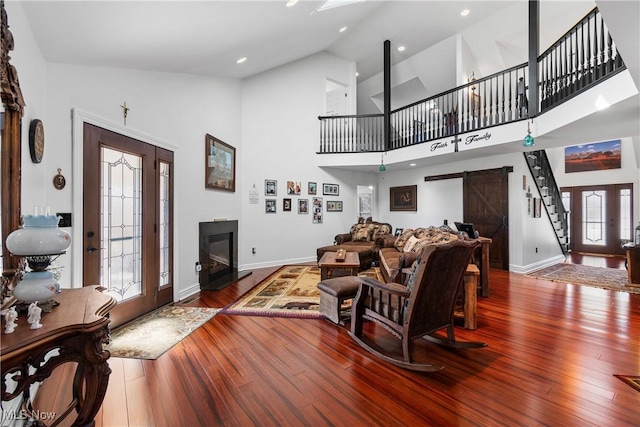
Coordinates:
486 205
127 221
601 217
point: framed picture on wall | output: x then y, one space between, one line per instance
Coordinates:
270 205
270 187
330 189
312 188
303 206
334 206
286 205
404 198
220 165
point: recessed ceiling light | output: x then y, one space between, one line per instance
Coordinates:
465 12
412 164
291 3
357 74
401 48
343 29
241 60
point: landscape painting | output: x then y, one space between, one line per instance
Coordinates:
592 157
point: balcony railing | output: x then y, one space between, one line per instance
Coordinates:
585 55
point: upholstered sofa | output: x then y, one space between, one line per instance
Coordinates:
398 253
362 238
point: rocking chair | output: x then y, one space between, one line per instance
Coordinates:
426 305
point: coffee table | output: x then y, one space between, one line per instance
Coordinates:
330 267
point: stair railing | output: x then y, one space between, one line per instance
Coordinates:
545 182
584 56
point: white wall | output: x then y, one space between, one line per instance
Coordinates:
280 110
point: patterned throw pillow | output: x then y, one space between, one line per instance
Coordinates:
361 234
382 230
410 244
402 239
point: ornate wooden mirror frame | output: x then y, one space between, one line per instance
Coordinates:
10 150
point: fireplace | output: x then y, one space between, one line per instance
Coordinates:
219 254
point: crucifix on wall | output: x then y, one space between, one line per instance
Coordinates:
125 111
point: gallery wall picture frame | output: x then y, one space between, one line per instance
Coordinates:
303 206
398 232
293 188
316 209
312 188
270 206
334 206
330 189
270 187
286 205
220 165
403 198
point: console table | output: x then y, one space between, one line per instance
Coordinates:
77 329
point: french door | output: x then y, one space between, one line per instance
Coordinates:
601 217
127 221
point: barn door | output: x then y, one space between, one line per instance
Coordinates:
486 205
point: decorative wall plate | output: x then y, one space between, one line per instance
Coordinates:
59 181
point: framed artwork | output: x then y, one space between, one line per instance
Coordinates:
398 232
593 157
220 159
286 205
330 189
303 206
293 188
270 187
334 206
270 205
312 188
537 207
316 209
404 198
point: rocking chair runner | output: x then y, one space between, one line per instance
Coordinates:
426 305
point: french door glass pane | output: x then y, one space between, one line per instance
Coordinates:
594 217
165 202
625 214
121 218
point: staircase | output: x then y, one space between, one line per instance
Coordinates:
545 182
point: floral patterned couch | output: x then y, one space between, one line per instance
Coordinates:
362 238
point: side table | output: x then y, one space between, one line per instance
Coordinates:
77 329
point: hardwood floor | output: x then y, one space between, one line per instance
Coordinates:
552 352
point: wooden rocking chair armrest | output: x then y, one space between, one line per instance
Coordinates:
392 288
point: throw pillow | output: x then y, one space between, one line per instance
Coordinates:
402 239
361 235
409 245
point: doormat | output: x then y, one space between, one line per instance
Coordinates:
153 334
578 274
291 291
633 381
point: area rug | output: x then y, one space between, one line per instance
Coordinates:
151 335
632 380
289 292
578 274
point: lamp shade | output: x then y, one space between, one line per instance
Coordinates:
39 235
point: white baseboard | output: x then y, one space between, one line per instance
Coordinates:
524 269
